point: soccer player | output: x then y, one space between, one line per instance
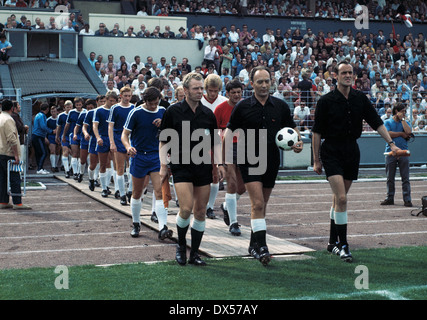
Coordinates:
235 185
54 148
211 99
338 120
84 144
89 136
74 141
142 125
116 120
100 130
60 132
192 178
262 115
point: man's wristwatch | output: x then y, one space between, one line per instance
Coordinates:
390 142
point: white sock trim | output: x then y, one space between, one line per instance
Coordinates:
198 225
340 217
258 225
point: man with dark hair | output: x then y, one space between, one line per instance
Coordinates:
235 185
400 131
9 150
263 116
5 46
40 131
338 120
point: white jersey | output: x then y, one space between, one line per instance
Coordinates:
213 104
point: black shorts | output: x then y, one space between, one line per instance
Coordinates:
268 178
198 175
340 158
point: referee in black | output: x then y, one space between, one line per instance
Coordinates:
262 115
338 120
192 179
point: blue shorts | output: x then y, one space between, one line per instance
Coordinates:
92 145
74 142
144 163
105 147
118 142
67 141
51 138
84 144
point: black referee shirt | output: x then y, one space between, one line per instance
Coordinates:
337 118
251 114
178 116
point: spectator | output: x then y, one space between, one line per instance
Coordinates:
9 150
40 131
5 46
86 31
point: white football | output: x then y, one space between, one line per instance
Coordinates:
286 138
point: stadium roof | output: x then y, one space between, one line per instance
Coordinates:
50 77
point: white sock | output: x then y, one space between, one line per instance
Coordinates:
162 214
52 160
213 194
258 225
103 179
109 175
130 184
121 184
82 167
135 205
96 176
74 163
91 174
153 203
230 200
116 183
65 164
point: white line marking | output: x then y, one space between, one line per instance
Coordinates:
58 221
361 235
72 235
88 249
392 294
31 212
352 222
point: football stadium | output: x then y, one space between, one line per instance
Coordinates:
213 157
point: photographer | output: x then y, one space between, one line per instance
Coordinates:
400 131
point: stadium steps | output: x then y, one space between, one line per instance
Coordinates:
217 241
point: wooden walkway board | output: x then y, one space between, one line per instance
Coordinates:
217 241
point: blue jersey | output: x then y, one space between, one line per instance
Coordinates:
394 126
61 121
72 118
118 116
101 116
80 120
88 120
144 136
51 124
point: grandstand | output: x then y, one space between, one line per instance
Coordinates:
51 60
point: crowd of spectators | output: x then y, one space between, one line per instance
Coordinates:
335 9
387 68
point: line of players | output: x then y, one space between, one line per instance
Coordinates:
90 134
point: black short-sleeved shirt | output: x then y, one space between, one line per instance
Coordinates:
337 118
251 114
184 122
